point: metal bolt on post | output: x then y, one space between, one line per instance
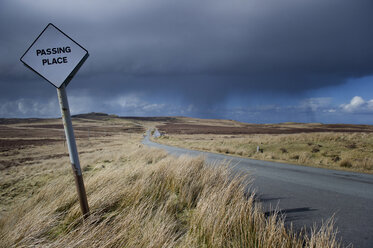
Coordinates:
74 158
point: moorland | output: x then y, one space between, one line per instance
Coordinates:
139 196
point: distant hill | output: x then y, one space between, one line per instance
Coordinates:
157 119
94 116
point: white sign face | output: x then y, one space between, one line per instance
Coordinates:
54 56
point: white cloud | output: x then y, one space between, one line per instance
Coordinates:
82 104
153 107
358 105
370 104
125 102
133 104
30 108
316 104
330 110
307 110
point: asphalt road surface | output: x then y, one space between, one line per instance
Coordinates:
306 195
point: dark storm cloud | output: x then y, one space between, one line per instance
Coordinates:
200 50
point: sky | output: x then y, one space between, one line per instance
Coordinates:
257 61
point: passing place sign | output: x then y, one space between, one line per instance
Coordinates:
55 56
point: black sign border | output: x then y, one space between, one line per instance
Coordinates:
74 71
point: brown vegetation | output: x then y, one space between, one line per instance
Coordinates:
234 129
313 149
139 197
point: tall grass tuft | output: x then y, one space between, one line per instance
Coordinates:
346 163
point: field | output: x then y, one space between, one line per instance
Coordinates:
346 147
138 197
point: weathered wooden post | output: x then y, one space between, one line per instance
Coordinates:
73 151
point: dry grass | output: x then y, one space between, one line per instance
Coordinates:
314 149
139 197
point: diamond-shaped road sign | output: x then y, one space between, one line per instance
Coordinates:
55 56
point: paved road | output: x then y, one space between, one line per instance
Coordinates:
307 195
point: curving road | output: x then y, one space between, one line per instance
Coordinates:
306 195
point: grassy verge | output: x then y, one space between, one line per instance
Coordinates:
347 151
140 197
